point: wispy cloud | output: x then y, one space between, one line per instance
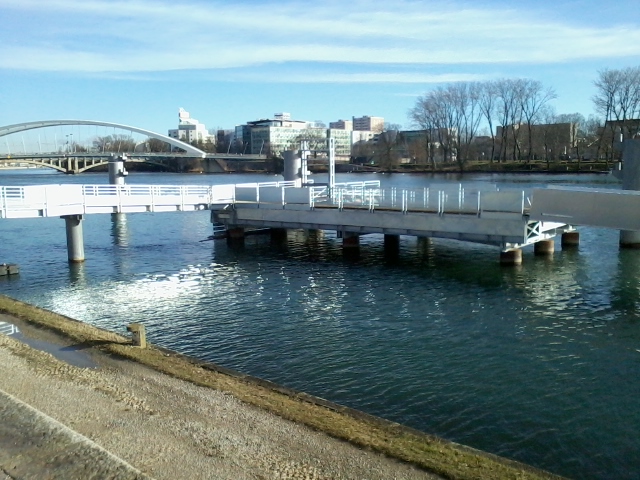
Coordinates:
138 36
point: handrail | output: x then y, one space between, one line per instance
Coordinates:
48 200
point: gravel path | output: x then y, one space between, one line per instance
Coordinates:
172 429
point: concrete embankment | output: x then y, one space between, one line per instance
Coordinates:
171 416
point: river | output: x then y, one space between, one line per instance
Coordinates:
539 363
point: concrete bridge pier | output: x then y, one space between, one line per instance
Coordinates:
350 240
75 242
278 235
511 256
392 245
235 236
630 181
544 247
570 239
117 172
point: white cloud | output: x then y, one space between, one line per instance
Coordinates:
148 36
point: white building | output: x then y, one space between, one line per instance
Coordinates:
273 136
190 130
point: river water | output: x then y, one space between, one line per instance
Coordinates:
539 363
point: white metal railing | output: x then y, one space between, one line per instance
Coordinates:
452 199
54 200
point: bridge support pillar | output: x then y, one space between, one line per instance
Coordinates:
391 244
117 171
544 247
570 239
350 240
278 235
629 239
75 242
630 181
235 236
511 256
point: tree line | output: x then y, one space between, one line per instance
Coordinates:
513 119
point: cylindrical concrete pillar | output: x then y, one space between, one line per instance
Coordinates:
75 242
117 172
570 239
511 256
544 247
235 235
391 244
278 235
630 181
292 167
350 240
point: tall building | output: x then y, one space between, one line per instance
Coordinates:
190 130
341 125
374 124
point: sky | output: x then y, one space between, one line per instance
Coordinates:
136 62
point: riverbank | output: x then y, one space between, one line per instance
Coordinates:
156 388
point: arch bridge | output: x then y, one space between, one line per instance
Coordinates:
80 162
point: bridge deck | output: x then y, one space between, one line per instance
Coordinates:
482 214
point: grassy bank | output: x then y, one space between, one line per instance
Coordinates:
428 452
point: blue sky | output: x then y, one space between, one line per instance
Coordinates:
137 61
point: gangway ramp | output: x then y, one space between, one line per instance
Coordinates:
607 208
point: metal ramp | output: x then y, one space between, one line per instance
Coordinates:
618 209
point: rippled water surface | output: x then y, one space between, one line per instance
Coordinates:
540 363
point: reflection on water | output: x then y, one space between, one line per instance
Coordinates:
119 231
538 363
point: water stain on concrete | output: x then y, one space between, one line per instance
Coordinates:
73 354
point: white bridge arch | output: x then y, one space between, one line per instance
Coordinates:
21 127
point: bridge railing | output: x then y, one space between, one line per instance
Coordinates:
486 201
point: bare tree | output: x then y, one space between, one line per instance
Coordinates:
422 115
118 143
509 111
386 153
487 102
156 145
533 98
617 99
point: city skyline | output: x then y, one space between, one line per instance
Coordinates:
137 62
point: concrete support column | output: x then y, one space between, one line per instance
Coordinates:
75 242
630 181
512 256
544 247
350 240
391 244
278 235
235 235
292 167
570 239
629 239
117 172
